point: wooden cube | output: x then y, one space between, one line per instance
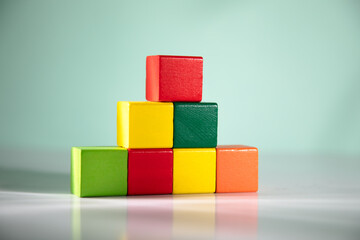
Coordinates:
194 170
145 125
98 171
150 171
174 78
195 125
236 168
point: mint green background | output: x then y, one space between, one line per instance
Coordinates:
286 74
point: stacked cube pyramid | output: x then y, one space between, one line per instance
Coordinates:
167 145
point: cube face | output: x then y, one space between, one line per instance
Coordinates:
98 171
174 78
236 168
150 171
194 170
195 125
145 125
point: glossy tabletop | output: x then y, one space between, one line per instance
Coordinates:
300 197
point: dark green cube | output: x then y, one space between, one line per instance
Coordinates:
195 125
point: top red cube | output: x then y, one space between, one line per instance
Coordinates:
174 78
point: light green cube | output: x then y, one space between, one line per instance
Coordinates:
98 171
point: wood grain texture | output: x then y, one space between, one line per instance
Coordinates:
195 125
236 168
150 171
174 78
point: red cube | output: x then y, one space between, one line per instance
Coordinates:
150 171
174 78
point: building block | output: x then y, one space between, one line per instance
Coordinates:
150 171
194 170
174 78
145 125
195 125
98 171
236 168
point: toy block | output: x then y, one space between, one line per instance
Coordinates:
174 78
150 171
98 171
195 125
145 125
236 168
194 170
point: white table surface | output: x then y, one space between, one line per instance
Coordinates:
301 197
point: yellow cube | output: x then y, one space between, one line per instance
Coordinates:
194 170
145 124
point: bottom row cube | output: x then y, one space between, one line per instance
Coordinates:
116 171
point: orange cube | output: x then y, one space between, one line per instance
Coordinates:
236 168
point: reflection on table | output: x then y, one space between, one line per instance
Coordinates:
203 216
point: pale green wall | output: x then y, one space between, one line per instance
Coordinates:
286 74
